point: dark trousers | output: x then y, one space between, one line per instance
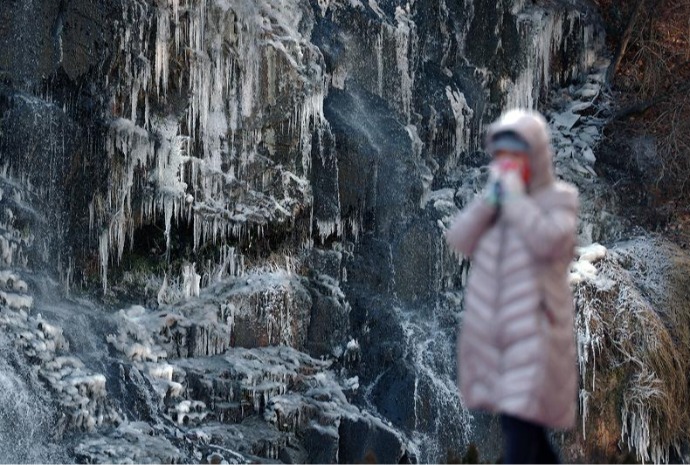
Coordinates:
525 442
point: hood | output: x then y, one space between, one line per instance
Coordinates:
533 129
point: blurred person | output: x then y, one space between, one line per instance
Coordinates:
516 351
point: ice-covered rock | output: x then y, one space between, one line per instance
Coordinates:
129 443
588 155
591 253
589 91
293 392
566 120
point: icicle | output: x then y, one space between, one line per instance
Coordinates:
168 212
162 58
103 248
379 61
328 228
190 281
176 18
223 66
311 112
92 215
463 115
403 43
355 227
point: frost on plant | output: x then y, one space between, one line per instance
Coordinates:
632 350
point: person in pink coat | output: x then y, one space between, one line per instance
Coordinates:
516 351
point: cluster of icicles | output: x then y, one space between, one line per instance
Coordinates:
204 167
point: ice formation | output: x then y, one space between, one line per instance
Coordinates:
191 281
227 389
583 269
463 115
546 31
201 167
26 416
405 42
79 391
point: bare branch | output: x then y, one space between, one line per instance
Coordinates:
641 107
623 45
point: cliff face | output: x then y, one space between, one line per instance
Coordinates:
207 118
241 175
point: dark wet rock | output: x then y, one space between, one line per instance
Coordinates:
418 270
133 443
27 43
139 399
394 395
85 35
329 323
376 165
295 453
330 311
361 442
322 262
321 444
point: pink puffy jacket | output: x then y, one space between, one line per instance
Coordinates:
516 349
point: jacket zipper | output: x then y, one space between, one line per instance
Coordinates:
497 301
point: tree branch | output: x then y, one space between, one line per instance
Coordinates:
641 107
623 44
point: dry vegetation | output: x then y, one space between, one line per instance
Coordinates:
634 342
652 84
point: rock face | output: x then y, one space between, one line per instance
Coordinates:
259 189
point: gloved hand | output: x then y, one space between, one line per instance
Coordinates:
512 185
505 182
493 192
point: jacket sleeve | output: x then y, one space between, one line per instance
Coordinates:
469 225
549 231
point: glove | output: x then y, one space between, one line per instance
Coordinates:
512 185
505 182
493 192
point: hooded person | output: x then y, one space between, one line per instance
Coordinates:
516 351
